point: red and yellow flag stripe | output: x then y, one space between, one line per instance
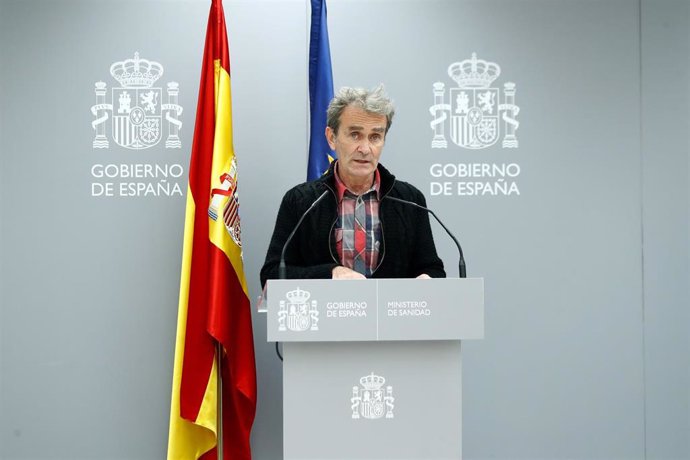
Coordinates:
214 302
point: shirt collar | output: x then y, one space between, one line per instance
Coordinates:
341 188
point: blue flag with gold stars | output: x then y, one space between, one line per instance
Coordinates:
320 91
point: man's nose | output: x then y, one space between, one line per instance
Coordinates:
364 146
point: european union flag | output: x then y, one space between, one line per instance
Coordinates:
320 91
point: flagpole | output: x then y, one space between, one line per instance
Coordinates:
219 346
219 392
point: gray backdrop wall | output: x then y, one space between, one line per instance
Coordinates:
586 268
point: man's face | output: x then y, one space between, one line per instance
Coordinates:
358 144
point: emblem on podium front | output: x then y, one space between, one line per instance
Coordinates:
474 112
137 107
297 313
371 400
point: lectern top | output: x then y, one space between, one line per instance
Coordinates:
375 309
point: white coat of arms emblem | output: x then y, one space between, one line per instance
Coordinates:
475 108
136 107
370 400
298 313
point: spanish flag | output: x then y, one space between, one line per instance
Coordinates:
214 315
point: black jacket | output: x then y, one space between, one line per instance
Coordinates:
407 249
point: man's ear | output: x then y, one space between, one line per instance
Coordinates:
330 137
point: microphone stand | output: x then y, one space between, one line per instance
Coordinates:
461 264
282 268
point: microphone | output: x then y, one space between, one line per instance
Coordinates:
461 263
282 270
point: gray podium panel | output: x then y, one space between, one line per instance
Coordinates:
435 309
372 368
371 310
358 400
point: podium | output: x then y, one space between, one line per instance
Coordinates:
372 368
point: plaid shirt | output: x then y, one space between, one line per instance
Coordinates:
358 228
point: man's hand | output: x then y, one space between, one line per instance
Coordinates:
344 273
423 276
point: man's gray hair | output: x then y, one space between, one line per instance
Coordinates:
373 101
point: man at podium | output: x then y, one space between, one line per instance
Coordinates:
353 227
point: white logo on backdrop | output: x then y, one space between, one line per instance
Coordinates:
298 314
137 107
370 400
476 114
